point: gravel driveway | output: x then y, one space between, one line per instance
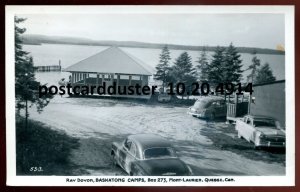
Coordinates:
210 148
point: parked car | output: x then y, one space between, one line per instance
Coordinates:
209 108
261 130
148 155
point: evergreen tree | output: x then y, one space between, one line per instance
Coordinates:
162 68
253 67
232 72
183 70
264 75
203 67
216 67
26 87
21 58
225 66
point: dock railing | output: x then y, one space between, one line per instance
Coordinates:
48 68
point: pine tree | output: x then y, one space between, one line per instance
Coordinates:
26 87
21 58
216 67
183 71
232 69
264 75
203 67
162 68
253 68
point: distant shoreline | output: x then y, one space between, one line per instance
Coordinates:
41 39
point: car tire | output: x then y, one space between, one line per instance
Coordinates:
230 122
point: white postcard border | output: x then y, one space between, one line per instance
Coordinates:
14 180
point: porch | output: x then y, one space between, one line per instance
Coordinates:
98 79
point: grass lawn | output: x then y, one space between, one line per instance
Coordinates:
42 150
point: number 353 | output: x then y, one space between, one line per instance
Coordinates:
36 169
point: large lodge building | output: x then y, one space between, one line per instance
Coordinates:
110 66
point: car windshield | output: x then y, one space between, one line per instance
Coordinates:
202 104
264 123
159 152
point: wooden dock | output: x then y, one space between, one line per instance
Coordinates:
47 68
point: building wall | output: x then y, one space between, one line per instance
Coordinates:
145 80
269 101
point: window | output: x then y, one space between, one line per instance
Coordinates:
202 104
264 123
159 152
135 77
93 75
124 77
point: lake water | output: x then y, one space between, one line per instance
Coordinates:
50 54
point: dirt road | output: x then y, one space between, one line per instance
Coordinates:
210 148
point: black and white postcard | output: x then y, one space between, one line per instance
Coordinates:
150 95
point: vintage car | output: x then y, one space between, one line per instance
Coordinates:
261 130
209 108
148 155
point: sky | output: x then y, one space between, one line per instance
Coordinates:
244 30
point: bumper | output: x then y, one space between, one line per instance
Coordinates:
199 115
271 144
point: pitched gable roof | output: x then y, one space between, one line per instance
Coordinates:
111 60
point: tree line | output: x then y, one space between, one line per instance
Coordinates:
224 66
